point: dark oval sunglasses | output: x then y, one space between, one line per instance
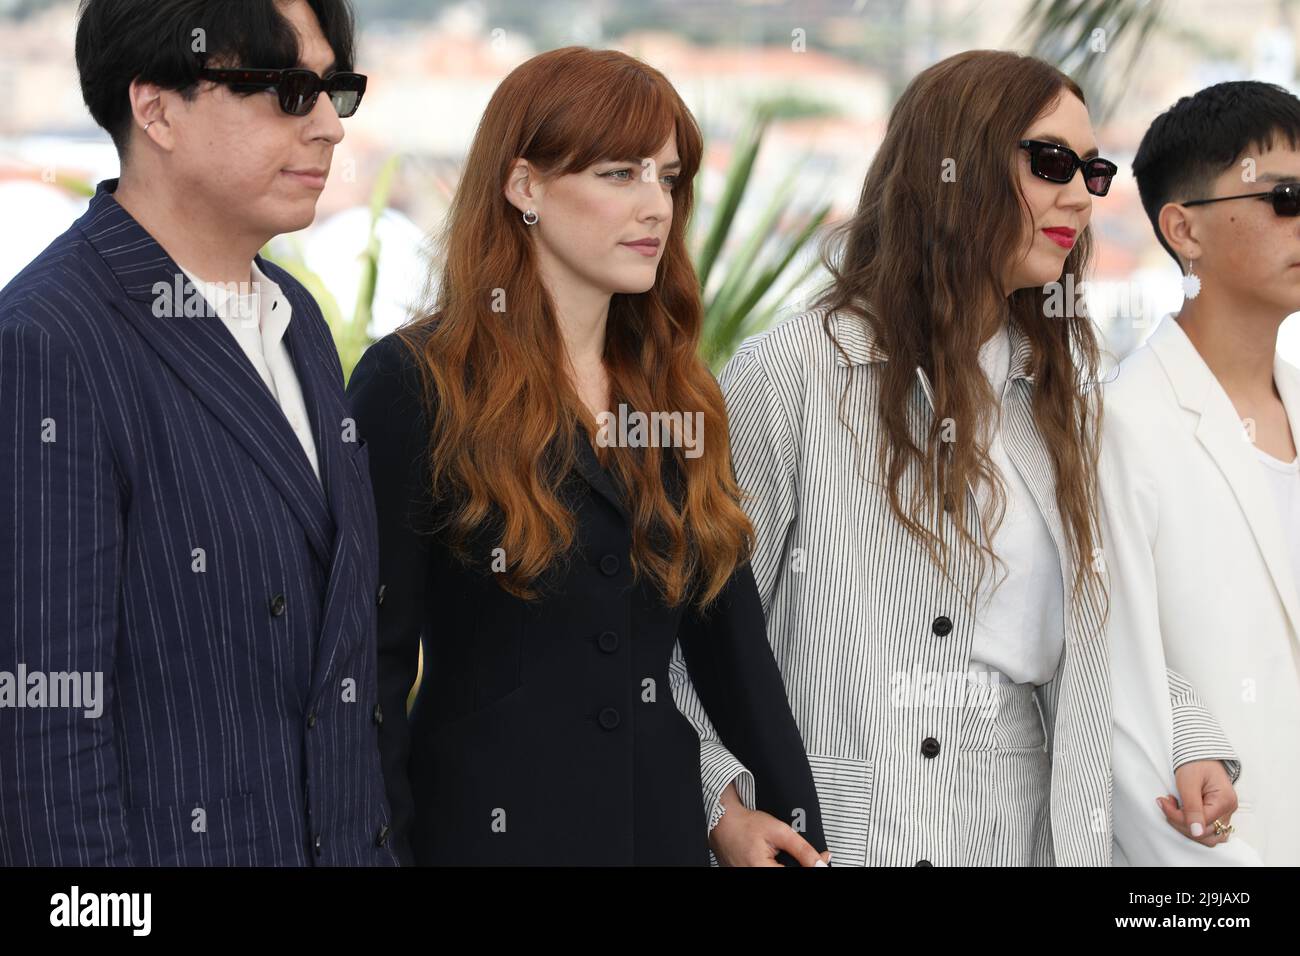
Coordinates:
297 88
1285 197
1057 164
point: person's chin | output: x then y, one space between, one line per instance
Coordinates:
1049 268
295 217
1287 296
1039 278
635 284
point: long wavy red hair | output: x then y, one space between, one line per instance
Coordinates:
503 436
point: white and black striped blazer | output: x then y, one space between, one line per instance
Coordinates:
854 606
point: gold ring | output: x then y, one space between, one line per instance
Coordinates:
1220 829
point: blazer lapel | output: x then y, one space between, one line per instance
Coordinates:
588 466
201 352
1025 448
1222 434
323 397
1019 432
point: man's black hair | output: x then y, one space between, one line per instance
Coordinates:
1195 140
160 42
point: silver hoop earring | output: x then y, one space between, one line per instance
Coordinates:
530 217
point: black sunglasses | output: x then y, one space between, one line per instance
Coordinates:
297 88
1057 164
1285 196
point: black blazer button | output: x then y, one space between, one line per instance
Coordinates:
382 838
608 641
930 748
609 718
277 605
378 715
311 719
923 863
379 596
942 626
609 565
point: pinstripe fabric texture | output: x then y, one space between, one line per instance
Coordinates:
1197 735
1004 775
174 538
870 636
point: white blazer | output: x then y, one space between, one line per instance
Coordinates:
1200 582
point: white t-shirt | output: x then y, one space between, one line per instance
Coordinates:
258 321
1020 624
1284 479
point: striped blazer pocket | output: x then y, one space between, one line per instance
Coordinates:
844 786
220 832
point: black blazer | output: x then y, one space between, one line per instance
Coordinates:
546 732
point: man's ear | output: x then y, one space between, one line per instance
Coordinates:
1180 229
523 188
149 109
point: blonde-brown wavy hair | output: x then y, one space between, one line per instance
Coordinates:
503 438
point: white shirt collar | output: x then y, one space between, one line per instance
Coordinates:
247 308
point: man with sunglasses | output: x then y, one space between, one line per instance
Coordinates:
188 527
1200 488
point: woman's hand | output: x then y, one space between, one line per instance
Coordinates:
1207 795
745 837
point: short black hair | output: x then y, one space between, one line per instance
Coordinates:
1195 140
155 40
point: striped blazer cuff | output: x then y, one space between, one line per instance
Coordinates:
1197 736
718 768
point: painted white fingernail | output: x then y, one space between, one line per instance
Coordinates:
822 863
1197 829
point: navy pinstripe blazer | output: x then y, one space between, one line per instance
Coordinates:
160 525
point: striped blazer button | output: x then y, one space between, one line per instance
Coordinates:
923 863
942 626
949 502
929 748
277 605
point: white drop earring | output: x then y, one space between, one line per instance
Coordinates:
1191 281
530 217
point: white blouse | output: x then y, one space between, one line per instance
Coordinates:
1019 624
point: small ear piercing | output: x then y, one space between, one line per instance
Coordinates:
1191 281
148 124
530 217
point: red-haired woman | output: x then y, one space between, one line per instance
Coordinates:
921 452
550 562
